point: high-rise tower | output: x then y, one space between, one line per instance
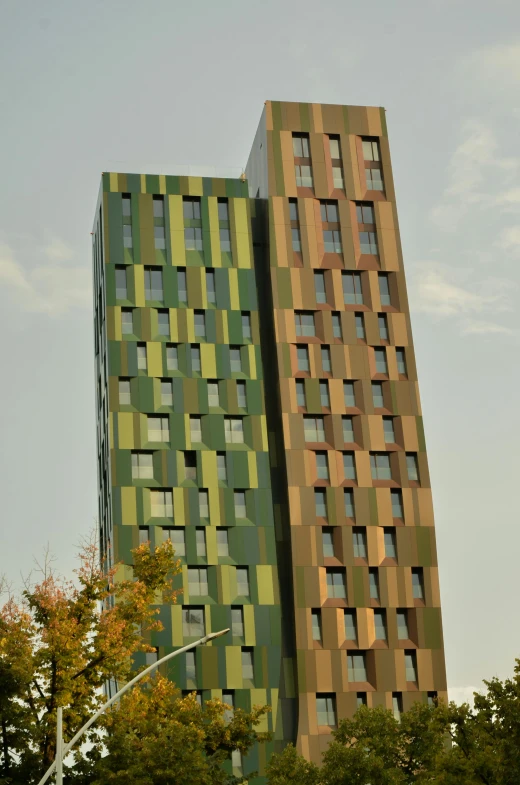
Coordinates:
258 404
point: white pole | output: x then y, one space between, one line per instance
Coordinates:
66 749
59 747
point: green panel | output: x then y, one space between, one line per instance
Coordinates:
432 628
358 581
424 551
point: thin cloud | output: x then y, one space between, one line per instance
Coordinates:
463 694
497 66
53 286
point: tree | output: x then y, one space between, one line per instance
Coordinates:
62 642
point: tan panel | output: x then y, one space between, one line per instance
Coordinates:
425 503
316 118
398 329
374 121
358 121
350 166
425 670
409 427
323 671
289 175
388 249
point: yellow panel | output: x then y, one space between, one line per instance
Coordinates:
226 573
259 698
128 506
114 185
154 358
225 327
249 625
252 470
211 544
177 231
264 576
125 428
263 426
214 505
242 233
195 186
174 323
177 637
139 285
143 183
162 184
233 667
234 297
178 506
252 361
208 360
114 316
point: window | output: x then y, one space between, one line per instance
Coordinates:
191 668
141 357
293 210
365 213
348 429
193 238
163 322
161 504
320 501
390 544
199 318
319 287
383 326
234 430
397 705
177 539
380 625
121 285
410 664
373 583
361 699
127 236
332 241
417 583
236 763
300 392
242 581
334 147
221 467
380 466
388 430
301 145
158 429
203 504
349 466
126 206
402 625
144 535
432 698
336 326
412 467
153 284
352 291
142 466
350 623
384 289
401 362
191 208
356 665
210 287
303 175
359 540
223 209
324 394
172 357
193 625
124 392
304 323
237 622
198 581
337 177
182 290
151 657
322 466
325 359
296 239
302 355
248 672
316 624
195 358
349 395
396 497
213 394
374 179
329 212
225 240
127 321
348 497
380 359
235 359
195 428
222 542
336 583
313 428
360 327
200 541
368 243
241 395
240 504
377 395
326 709
158 207
246 326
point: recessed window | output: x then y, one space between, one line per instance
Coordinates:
380 625
303 174
144 535
127 321
359 541
126 204
304 324
203 505
177 538
396 497
327 541
158 207
163 322
210 287
191 208
300 392
356 665
360 327
221 467
432 698
349 395
235 359
350 624
368 243
373 583
195 428
352 291
246 326
336 326
332 241
365 213
198 581
349 466
127 236
213 394
397 705
302 355
314 429
319 287
380 466
142 466
248 671
324 394
195 358
390 544
384 289
242 574
158 429
293 210
417 583
322 465
412 466
193 238
200 542
348 496
336 587
382 323
361 699
240 504
380 360
182 289
325 359
388 430
153 284
402 625
320 501
199 319
141 357
296 239
222 542
316 624
374 179
337 177
234 430
400 356
326 709
225 240
223 209
329 212
191 668
348 429
237 622
377 395
124 392
161 504
410 664
301 145
172 357
334 147
121 284
241 395
193 625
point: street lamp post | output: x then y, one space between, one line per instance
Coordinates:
62 751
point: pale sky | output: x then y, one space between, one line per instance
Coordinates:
151 87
